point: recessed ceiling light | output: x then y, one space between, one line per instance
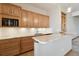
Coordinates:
69 9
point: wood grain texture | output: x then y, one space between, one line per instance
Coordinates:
24 20
63 22
0 8
30 20
12 10
16 46
9 47
27 44
29 53
36 20
0 20
27 19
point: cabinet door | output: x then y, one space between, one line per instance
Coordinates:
0 8
9 47
46 21
30 20
0 20
16 11
24 21
27 44
36 20
10 9
41 21
6 9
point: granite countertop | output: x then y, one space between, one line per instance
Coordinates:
48 38
9 37
43 38
20 35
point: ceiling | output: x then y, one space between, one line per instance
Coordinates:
49 6
74 6
44 6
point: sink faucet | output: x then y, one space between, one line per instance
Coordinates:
36 31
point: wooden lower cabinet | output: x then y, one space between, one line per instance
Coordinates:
29 53
9 47
27 44
0 20
16 46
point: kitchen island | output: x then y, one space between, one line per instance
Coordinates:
53 45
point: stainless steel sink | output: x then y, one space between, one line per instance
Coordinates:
38 34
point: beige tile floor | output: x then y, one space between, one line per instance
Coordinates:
72 53
75 48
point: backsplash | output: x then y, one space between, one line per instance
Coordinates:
22 31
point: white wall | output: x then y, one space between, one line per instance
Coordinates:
55 19
72 25
73 22
76 20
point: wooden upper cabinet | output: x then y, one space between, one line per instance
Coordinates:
43 21
16 11
36 20
24 21
26 18
30 20
40 21
10 9
46 21
6 9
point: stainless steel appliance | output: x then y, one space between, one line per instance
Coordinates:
10 22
